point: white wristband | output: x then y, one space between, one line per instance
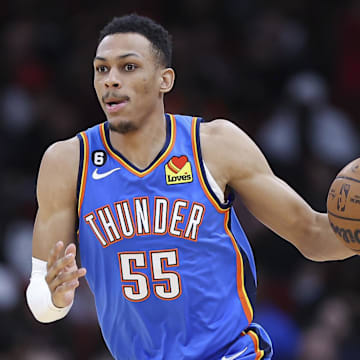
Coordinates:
38 295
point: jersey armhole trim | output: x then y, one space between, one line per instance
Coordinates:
240 275
81 161
83 168
255 339
195 140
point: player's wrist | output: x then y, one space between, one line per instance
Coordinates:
39 297
56 305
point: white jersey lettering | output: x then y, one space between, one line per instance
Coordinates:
195 219
177 217
126 221
108 224
125 218
90 220
161 208
142 215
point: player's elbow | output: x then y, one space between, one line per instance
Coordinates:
322 257
310 254
315 243
308 238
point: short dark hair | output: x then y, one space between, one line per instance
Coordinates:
154 32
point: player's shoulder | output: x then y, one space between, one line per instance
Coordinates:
228 149
61 159
58 173
219 132
63 151
215 125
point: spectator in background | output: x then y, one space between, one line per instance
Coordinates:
308 135
347 74
326 336
306 123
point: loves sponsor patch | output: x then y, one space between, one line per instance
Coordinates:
178 170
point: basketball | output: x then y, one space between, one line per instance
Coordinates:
343 205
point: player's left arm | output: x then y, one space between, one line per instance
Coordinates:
268 198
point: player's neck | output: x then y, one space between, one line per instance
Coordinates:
141 146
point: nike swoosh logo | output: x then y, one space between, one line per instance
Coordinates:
233 357
97 176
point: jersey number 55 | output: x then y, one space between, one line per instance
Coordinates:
136 286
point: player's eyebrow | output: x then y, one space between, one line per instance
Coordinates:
118 57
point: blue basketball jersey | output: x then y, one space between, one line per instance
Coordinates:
169 265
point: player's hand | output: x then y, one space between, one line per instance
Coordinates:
63 274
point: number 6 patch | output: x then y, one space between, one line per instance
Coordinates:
98 157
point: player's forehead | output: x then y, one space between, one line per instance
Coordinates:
117 45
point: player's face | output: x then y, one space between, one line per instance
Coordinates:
127 80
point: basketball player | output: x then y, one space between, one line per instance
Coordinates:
170 267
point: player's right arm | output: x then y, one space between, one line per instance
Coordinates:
54 230
235 160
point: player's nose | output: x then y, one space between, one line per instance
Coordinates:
113 79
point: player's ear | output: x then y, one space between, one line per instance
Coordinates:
167 80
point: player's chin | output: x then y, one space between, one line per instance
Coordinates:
122 126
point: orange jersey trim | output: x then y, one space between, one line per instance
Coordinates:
198 169
240 273
84 170
255 339
153 166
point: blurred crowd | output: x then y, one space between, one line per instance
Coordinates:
287 72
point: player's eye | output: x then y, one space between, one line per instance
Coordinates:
101 68
130 67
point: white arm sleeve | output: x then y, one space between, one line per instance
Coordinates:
38 295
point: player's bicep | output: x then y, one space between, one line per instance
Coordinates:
56 195
267 197
276 205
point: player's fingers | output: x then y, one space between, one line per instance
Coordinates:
65 277
58 266
81 272
54 253
65 287
70 249
62 290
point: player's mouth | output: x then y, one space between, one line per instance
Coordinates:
115 104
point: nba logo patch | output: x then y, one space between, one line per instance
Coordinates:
178 170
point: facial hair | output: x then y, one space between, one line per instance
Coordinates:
123 127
